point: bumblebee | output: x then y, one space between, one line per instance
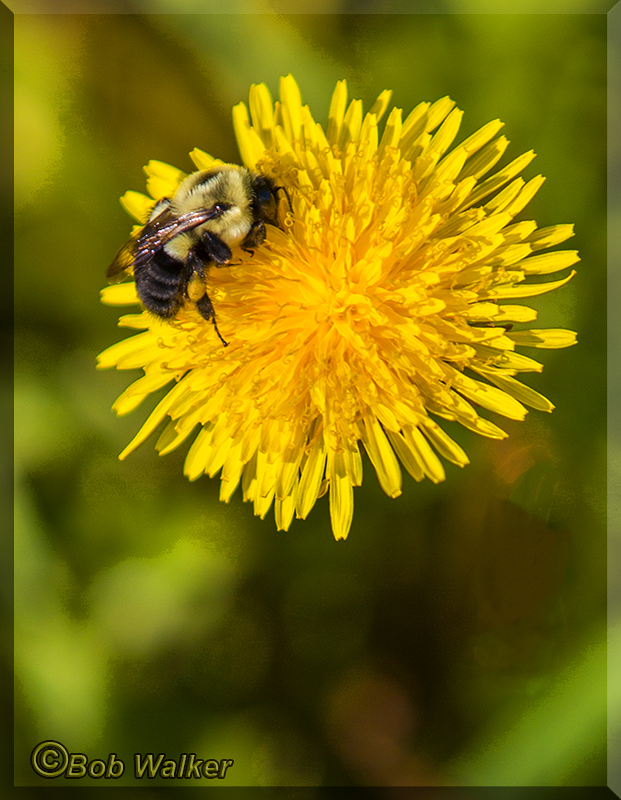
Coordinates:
211 212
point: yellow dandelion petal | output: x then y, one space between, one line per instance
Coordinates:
217 457
291 105
374 305
336 114
310 480
392 131
197 456
481 137
504 199
341 496
137 205
368 136
249 142
162 179
523 393
262 113
135 348
264 488
283 512
485 159
428 461
157 416
548 237
526 290
489 397
505 362
232 470
499 179
441 140
135 321
407 455
381 104
550 339
138 390
515 314
203 160
289 473
165 172
415 123
171 437
352 122
438 111
525 195
382 457
443 443
121 294
549 262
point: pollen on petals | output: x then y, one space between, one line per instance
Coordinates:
387 298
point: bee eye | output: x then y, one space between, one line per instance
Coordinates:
264 203
264 196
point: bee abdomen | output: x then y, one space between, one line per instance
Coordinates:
161 285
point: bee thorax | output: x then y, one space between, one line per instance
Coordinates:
234 227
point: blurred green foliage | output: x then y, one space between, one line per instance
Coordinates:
457 633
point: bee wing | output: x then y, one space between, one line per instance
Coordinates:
141 248
122 262
166 226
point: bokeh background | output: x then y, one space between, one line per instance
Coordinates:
457 636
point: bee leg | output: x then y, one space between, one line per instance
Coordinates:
206 309
225 343
255 237
211 249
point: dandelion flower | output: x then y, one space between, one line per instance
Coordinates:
386 300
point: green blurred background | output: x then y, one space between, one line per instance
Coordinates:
457 636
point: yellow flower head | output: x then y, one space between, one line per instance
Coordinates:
379 302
